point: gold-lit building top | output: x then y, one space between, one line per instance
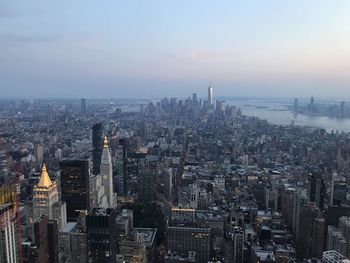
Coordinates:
45 180
105 143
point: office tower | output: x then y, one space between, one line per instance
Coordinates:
316 189
83 106
296 106
342 109
210 96
120 177
344 226
312 104
339 193
37 252
311 240
97 144
238 245
144 130
73 241
318 237
312 101
9 239
271 198
45 195
182 239
336 240
146 185
168 183
222 105
106 171
75 186
125 223
102 235
97 192
118 112
52 235
194 98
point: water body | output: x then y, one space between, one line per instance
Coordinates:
275 111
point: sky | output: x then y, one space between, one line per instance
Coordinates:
156 48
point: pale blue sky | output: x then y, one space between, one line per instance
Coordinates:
173 48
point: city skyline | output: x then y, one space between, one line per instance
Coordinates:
144 50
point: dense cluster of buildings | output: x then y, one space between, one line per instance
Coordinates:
189 180
338 110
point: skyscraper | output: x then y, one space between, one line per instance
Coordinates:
75 186
9 250
9 224
83 106
102 235
181 239
45 195
97 143
311 235
106 171
316 189
194 98
168 183
312 104
342 109
210 96
41 239
238 246
120 167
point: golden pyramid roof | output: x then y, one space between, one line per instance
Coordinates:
45 180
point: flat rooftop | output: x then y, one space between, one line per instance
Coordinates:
147 235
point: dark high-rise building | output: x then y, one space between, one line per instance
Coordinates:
75 186
83 106
102 235
334 212
37 250
194 98
41 239
316 189
311 235
97 145
120 174
238 246
342 109
318 237
182 239
168 183
52 235
312 104
312 101
340 190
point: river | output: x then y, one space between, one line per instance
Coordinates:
275 111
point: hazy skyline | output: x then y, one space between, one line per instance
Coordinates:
136 49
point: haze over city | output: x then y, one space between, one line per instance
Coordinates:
145 49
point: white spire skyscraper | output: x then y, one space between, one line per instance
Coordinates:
106 171
210 95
